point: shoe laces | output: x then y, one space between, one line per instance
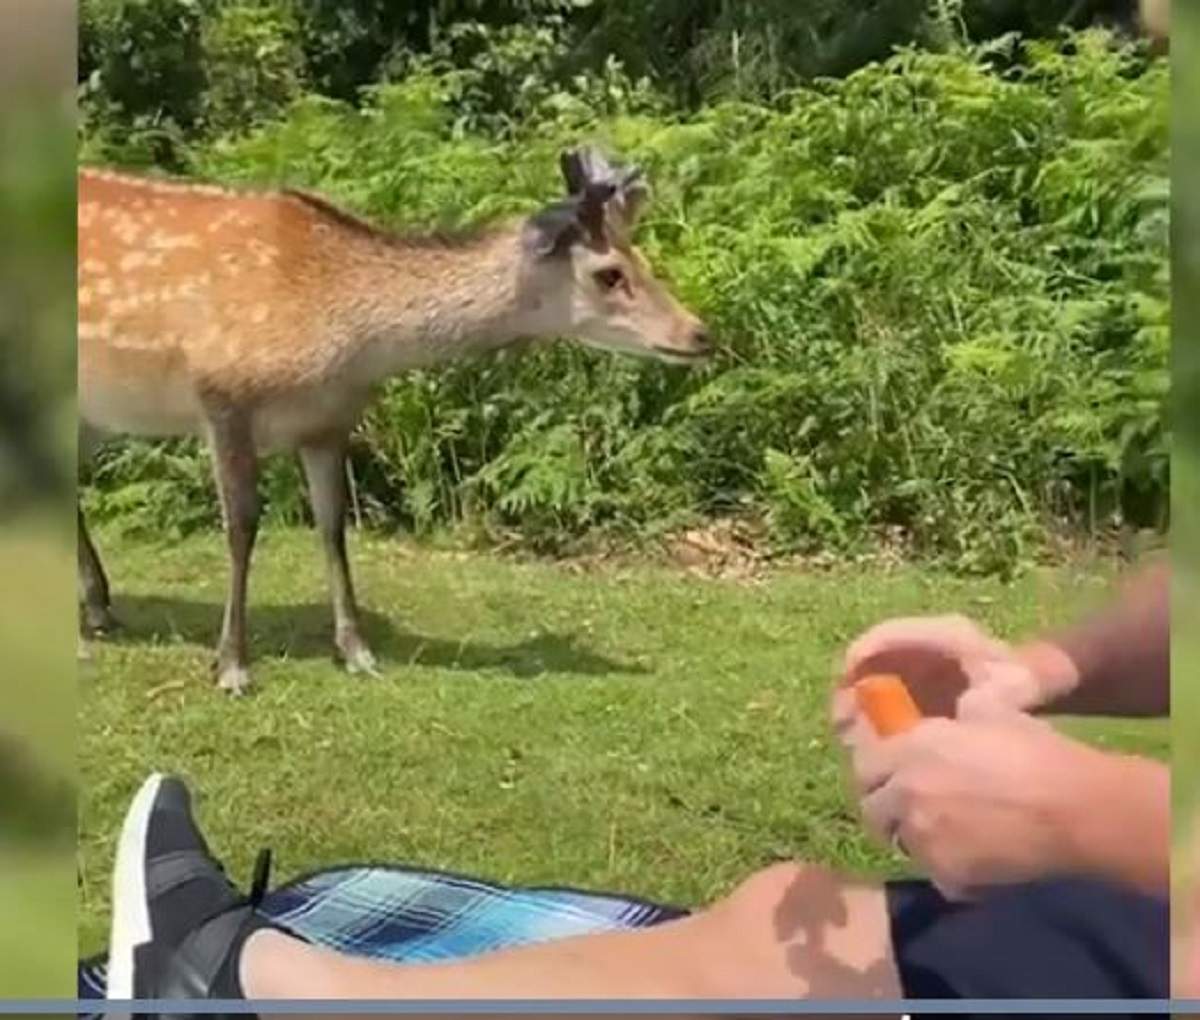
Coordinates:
262 877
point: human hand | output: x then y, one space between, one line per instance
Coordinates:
948 663
991 798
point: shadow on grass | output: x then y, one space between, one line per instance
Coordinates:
306 632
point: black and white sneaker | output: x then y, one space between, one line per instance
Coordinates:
178 923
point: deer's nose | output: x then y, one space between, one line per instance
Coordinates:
701 341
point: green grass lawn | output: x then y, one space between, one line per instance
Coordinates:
634 729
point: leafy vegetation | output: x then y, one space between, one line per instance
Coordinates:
158 60
940 281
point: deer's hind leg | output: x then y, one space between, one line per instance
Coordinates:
235 465
94 598
325 468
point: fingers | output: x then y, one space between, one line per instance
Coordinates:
882 813
858 735
874 762
886 818
844 709
952 635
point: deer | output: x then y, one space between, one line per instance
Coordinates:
265 321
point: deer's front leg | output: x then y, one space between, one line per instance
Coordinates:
325 469
235 465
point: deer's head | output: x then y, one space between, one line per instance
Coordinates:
590 282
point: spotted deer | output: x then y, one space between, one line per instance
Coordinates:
264 322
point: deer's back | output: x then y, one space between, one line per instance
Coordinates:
187 293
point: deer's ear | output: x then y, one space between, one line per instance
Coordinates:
635 196
553 230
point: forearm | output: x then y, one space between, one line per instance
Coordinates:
1122 829
1116 663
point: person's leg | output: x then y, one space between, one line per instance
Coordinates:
182 931
791 931
1073 938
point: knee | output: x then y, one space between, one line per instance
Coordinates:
778 885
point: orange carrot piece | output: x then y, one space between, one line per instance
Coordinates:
886 702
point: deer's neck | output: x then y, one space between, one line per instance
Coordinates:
427 305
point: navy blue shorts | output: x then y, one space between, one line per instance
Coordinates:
1066 938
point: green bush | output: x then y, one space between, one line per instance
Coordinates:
940 287
142 77
255 65
158 74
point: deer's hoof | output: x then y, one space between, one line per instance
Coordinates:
99 621
360 662
234 680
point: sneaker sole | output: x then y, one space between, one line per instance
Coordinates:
130 908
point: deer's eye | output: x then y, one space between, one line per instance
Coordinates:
607 279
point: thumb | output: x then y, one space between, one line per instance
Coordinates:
986 704
987 707
1004 680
